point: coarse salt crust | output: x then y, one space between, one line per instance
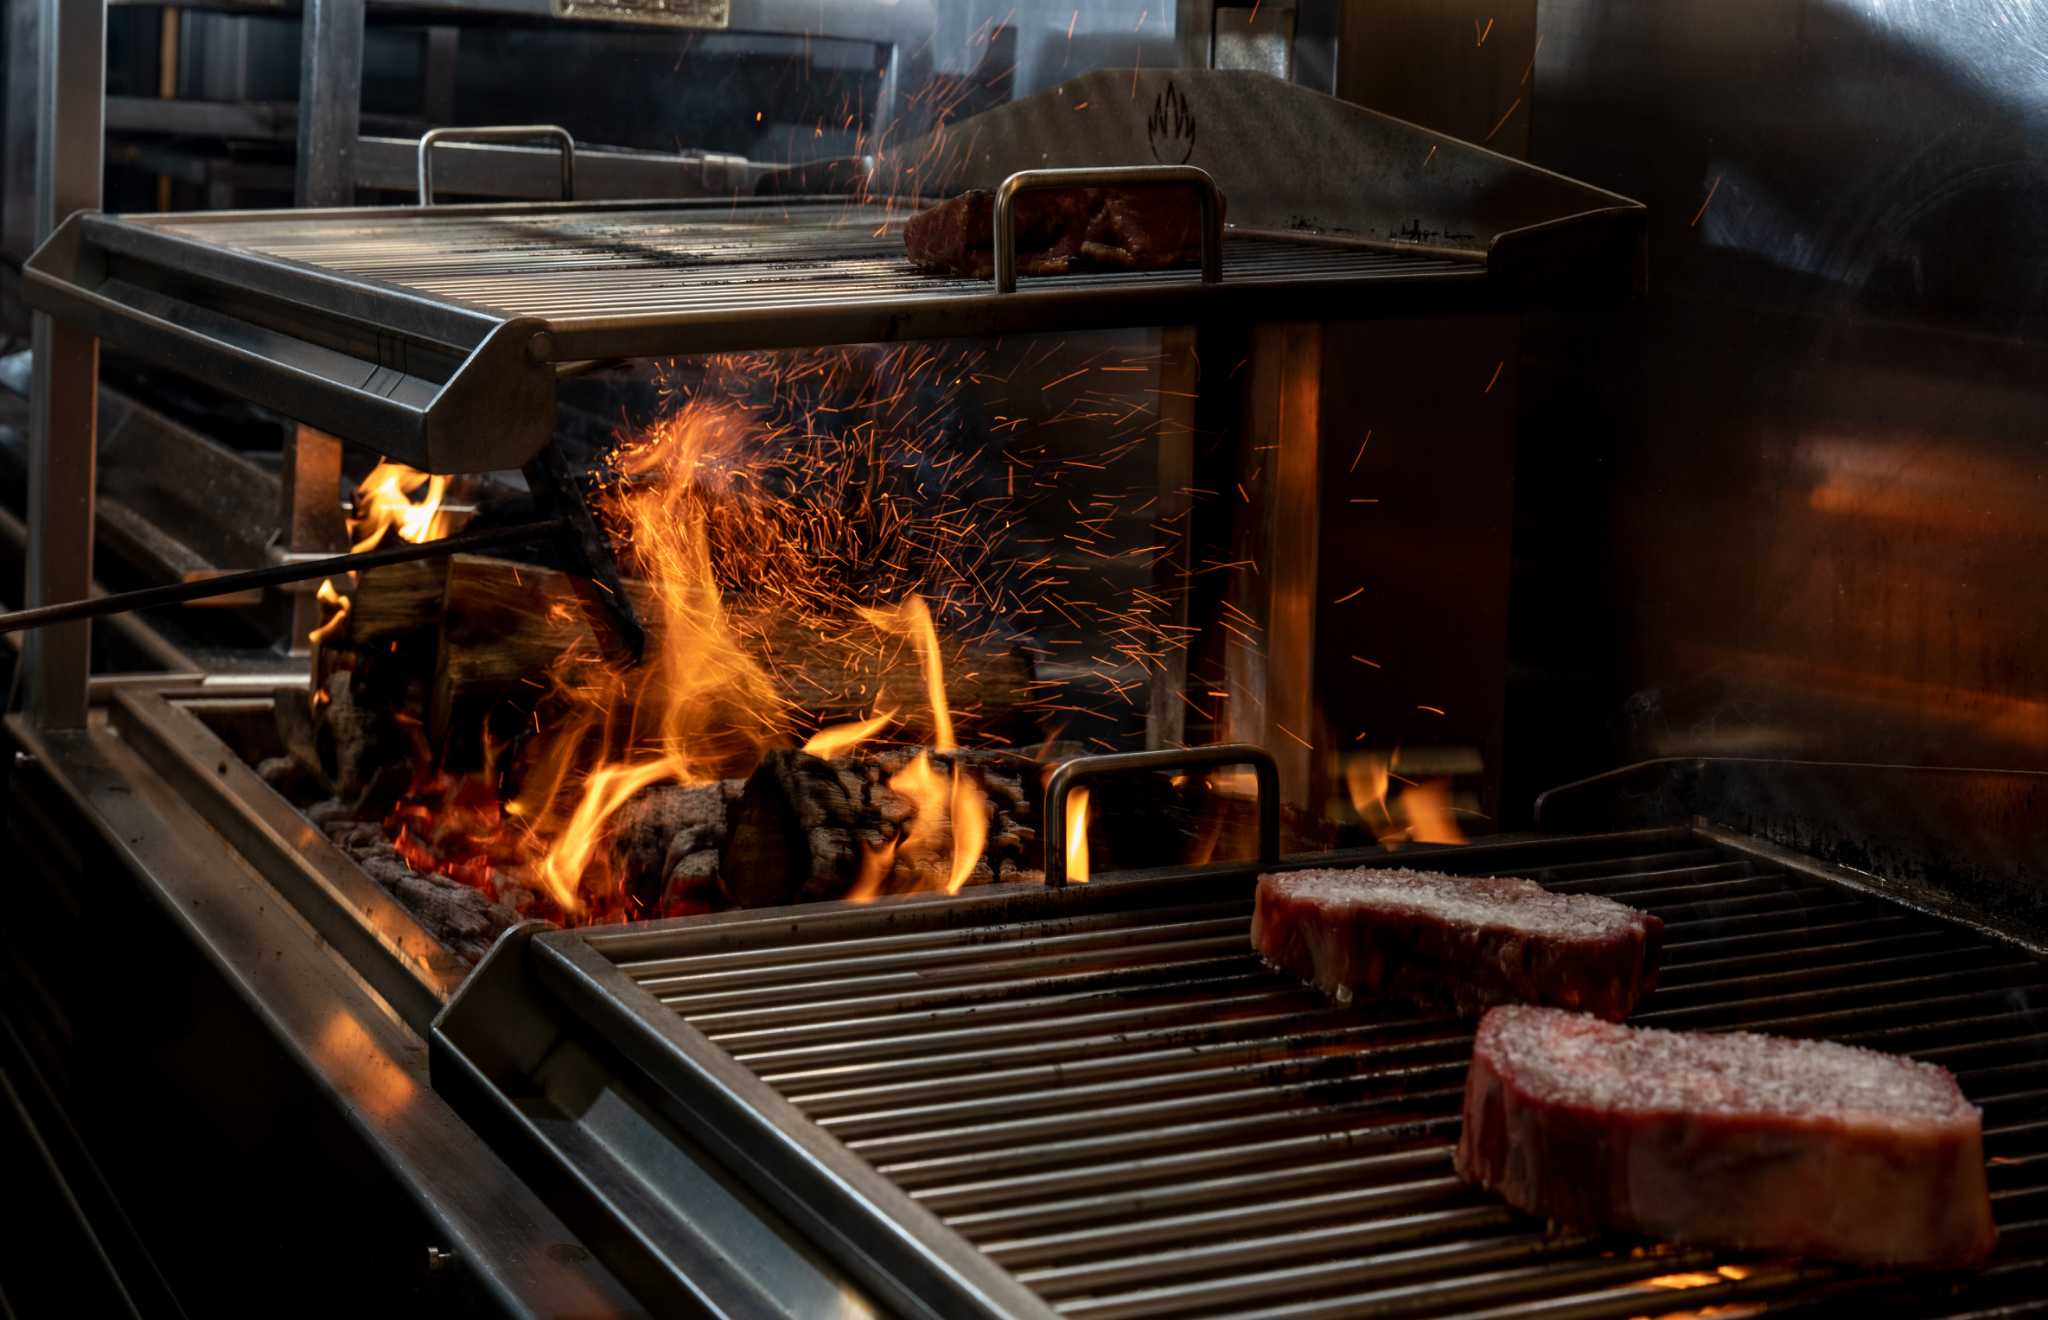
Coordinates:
1478 902
1561 1058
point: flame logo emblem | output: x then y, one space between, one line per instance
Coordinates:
1171 128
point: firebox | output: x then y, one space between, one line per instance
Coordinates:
890 544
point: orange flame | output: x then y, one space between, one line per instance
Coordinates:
845 546
715 708
389 498
1428 808
384 501
1421 814
844 737
927 792
327 595
913 619
1367 777
970 813
1077 836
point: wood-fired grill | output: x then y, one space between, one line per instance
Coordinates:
1098 1102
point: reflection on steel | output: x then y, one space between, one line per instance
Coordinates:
1098 1101
1964 843
1822 432
1271 686
357 1062
368 927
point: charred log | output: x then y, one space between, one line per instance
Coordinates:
806 828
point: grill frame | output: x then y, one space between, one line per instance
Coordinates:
898 1240
456 373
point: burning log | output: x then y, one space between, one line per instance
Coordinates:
807 828
665 844
500 627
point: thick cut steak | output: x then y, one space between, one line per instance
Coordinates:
1468 941
1734 1139
1061 230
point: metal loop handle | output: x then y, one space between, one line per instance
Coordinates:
1113 176
497 133
1071 774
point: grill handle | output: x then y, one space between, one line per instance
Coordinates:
1024 181
1083 769
497 133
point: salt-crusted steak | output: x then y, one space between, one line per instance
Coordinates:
1468 941
1062 229
1734 1139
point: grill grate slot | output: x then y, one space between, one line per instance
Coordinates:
1131 1114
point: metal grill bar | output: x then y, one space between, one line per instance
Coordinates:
1121 1107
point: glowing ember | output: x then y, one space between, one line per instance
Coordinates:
1077 836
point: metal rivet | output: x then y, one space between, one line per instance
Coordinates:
23 760
439 1258
541 348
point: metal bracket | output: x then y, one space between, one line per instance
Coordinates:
559 489
497 133
1084 769
1024 181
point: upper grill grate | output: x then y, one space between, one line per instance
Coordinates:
568 265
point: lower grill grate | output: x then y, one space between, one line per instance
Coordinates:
1120 1106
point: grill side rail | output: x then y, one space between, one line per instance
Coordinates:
441 387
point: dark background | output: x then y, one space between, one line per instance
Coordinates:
1791 503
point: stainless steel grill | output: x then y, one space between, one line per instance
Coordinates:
415 328
1099 1103
434 334
576 269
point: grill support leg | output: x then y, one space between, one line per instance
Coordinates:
312 519
330 100
64 403
1272 687
1166 716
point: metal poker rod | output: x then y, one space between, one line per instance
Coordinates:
303 571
